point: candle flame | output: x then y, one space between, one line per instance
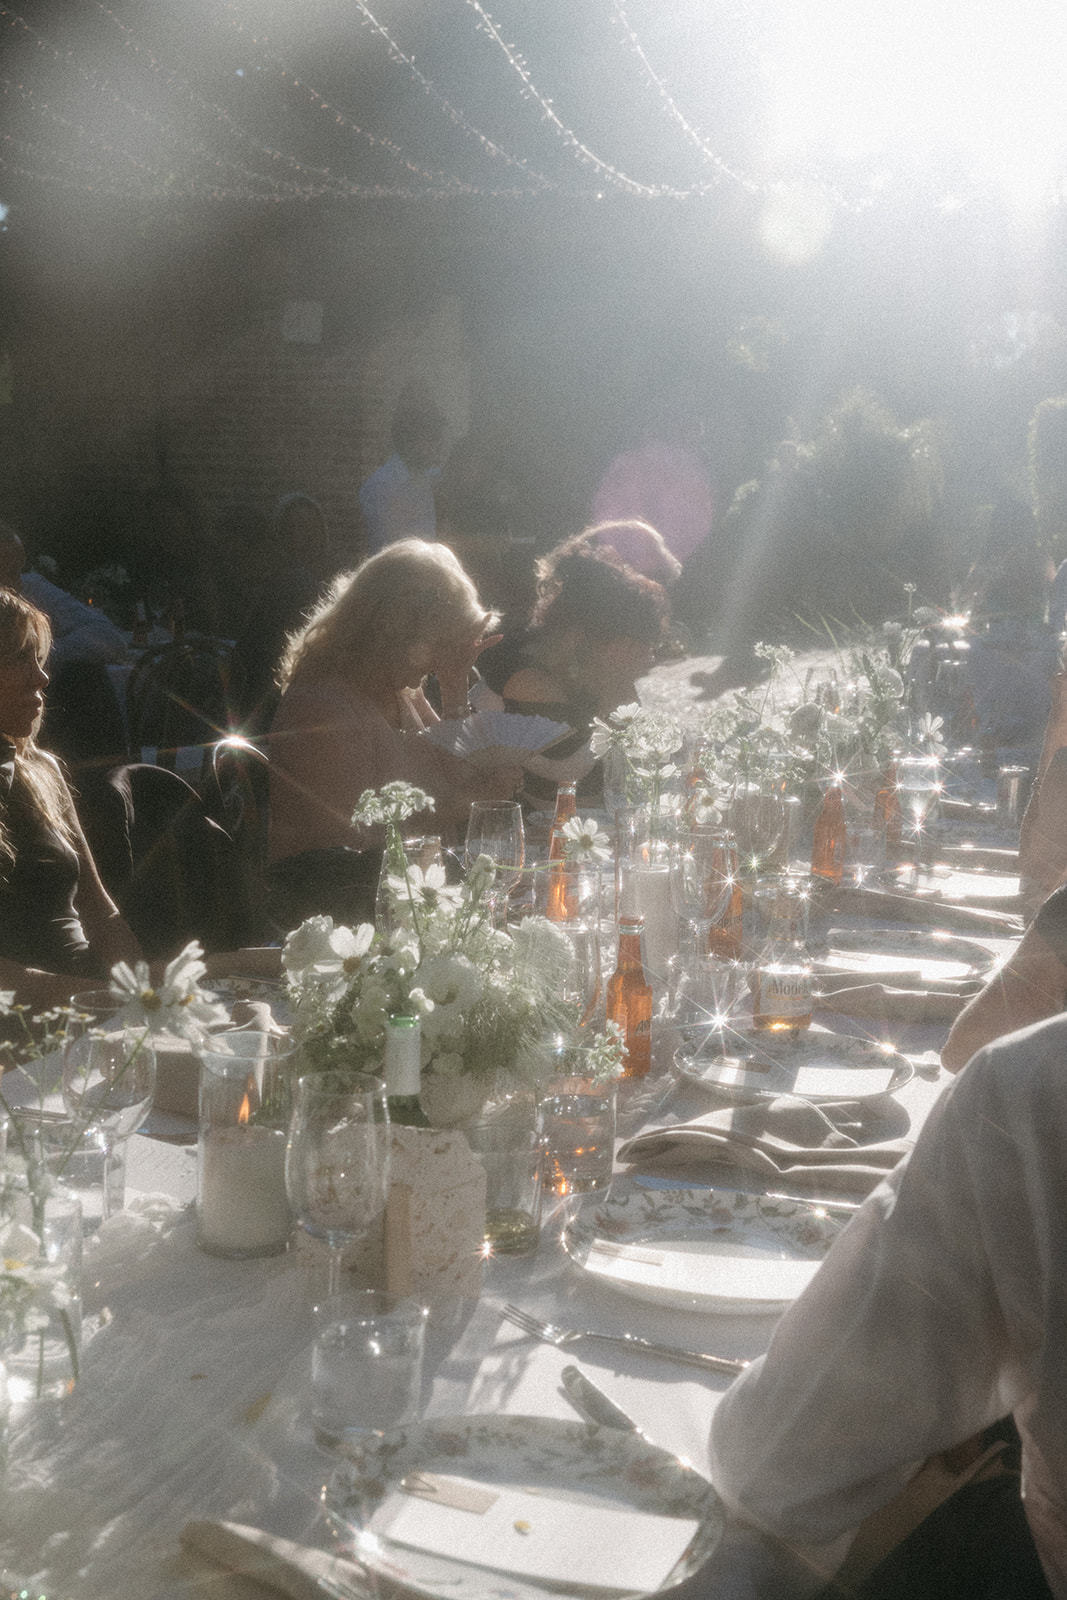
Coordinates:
244 1110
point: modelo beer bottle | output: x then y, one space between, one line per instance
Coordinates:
781 987
629 1001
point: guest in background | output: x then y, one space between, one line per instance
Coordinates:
1009 663
59 929
595 629
398 499
353 712
79 632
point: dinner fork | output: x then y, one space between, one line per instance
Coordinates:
548 1333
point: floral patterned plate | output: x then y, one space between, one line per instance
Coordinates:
816 1064
701 1249
575 1460
918 953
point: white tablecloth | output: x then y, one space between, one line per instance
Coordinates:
193 1394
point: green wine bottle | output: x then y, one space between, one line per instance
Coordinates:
402 1071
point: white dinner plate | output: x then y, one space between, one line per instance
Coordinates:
577 1462
924 953
701 1249
816 1065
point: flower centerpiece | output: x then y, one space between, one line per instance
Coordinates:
488 1000
640 750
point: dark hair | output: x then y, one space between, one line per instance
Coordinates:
586 585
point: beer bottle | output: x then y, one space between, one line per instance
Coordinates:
562 891
887 812
781 987
402 1071
629 1001
828 848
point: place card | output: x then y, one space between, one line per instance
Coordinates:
533 1534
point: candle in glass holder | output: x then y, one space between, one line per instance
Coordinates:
241 1205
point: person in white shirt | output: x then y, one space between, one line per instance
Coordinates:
397 500
941 1308
79 632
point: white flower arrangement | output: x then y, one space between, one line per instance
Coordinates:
640 749
486 999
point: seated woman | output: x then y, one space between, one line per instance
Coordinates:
59 930
353 709
594 631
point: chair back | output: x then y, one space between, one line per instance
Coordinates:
174 871
236 793
185 693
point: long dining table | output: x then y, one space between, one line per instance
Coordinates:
193 1400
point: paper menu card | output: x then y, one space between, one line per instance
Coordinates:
815 1078
727 1269
534 1534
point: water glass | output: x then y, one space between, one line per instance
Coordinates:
366 1365
577 1135
79 1156
507 1143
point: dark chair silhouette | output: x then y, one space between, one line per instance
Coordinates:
188 692
174 872
236 793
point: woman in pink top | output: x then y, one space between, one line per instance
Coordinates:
353 710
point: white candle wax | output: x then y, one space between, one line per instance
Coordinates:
241 1199
651 891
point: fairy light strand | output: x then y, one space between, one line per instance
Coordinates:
568 137
454 114
670 106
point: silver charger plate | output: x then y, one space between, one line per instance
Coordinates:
874 955
572 1459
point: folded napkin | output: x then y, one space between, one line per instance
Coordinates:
885 1003
292 1569
927 911
788 1142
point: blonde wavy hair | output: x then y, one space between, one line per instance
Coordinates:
412 593
36 773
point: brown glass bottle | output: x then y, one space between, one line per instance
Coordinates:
887 812
725 937
562 903
629 1001
828 848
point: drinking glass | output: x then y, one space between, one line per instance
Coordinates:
109 1079
494 829
581 984
919 786
337 1159
704 869
756 818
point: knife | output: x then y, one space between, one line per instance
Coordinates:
595 1405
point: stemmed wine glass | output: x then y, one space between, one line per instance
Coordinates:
919 786
494 829
109 1079
337 1159
704 869
756 818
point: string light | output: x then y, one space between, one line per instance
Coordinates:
707 154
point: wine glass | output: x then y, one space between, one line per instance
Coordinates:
919 787
581 985
109 1079
704 869
337 1159
494 829
756 818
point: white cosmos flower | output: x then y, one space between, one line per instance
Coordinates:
583 841
428 889
319 952
177 1004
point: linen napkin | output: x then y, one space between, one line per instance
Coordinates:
786 1142
926 911
895 1002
